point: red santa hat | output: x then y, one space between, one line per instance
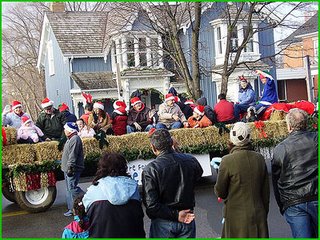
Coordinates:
242 79
199 109
176 99
263 74
46 103
63 107
25 119
15 104
135 101
117 104
189 101
169 96
98 105
120 110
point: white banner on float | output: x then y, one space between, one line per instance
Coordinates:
135 167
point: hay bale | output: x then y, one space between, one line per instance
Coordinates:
18 153
90 145
47 151
277 115
11 133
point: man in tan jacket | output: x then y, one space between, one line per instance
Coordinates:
170 114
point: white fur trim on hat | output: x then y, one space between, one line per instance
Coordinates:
169 98
240 134
71 127
46 104
98 105
198 111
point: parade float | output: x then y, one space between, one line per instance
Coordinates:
30 171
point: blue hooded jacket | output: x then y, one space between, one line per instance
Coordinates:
117 190
269 94
247 95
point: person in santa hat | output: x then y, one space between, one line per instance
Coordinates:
99 119
139 117
170 114
198 119
269 93
119 118
246 98
50 121
11 116
64 109
28 132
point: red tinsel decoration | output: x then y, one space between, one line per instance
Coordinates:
260 125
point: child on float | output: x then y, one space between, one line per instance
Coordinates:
28 132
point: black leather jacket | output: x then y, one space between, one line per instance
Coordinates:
295 169
168 184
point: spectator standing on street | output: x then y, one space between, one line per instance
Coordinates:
243 184
295 176
224 110
50 121
170 114
78 228
11 116
64 109
113 202
72 164
139 119
246 98
168 189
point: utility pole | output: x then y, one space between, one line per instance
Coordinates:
309 80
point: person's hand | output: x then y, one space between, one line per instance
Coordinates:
186 216
138 127
47 139
70 172
186 124
175 117
6 110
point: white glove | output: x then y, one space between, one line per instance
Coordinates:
6 110
138 127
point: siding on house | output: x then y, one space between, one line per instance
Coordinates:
58 85
91 65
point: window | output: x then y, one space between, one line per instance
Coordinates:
315 49
219 40
50 58
234 40
130 52
154 52
249 45
142 52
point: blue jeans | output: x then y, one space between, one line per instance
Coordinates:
73 190
174 125
238 109
131 129
161 228
303 219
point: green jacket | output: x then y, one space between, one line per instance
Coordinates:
243 183
51 126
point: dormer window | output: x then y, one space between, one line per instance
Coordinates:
137 51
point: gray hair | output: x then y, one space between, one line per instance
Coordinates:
297 119
161 140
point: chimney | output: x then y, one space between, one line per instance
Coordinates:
57 7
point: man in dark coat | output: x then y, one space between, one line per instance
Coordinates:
50 121
168 189
243 184
295 176
139 118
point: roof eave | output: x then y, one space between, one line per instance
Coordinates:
43 41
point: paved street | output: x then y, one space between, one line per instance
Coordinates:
18 223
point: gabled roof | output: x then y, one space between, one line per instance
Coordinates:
79 32
94 80
311 26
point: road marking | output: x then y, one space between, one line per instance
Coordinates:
12 214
